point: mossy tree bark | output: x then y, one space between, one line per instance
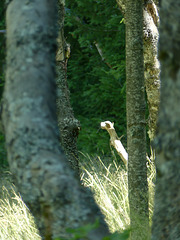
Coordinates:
136 124
166 221
151 63
69 126
43 177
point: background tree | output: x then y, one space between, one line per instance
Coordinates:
42 174
166 224
69 126
151 63
136 124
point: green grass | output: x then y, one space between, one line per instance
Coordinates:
108 181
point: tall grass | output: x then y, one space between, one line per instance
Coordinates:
110 187
108 182
16 222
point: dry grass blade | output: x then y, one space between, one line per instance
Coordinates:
109 184
110 187
16 222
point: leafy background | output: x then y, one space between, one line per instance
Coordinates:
97 86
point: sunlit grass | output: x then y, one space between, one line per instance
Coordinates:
109 184
107 180
151 183
16 222
110 187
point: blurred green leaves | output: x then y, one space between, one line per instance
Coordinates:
96 81
84 231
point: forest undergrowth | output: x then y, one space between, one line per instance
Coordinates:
108 182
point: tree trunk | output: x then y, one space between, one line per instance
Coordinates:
166 219
136 125
43 177
151 63
69 126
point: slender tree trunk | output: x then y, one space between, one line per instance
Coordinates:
43 177
151 63
69 126
136 125
166 219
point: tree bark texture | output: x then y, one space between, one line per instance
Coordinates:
151 63
69 126
136 125
43 176
166 220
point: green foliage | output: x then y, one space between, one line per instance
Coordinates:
118 236
113 236
97 83
81 232
84 231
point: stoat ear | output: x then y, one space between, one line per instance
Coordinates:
113 124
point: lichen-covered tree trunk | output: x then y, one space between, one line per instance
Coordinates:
136 125
43 177
151 63
166 219
68 125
